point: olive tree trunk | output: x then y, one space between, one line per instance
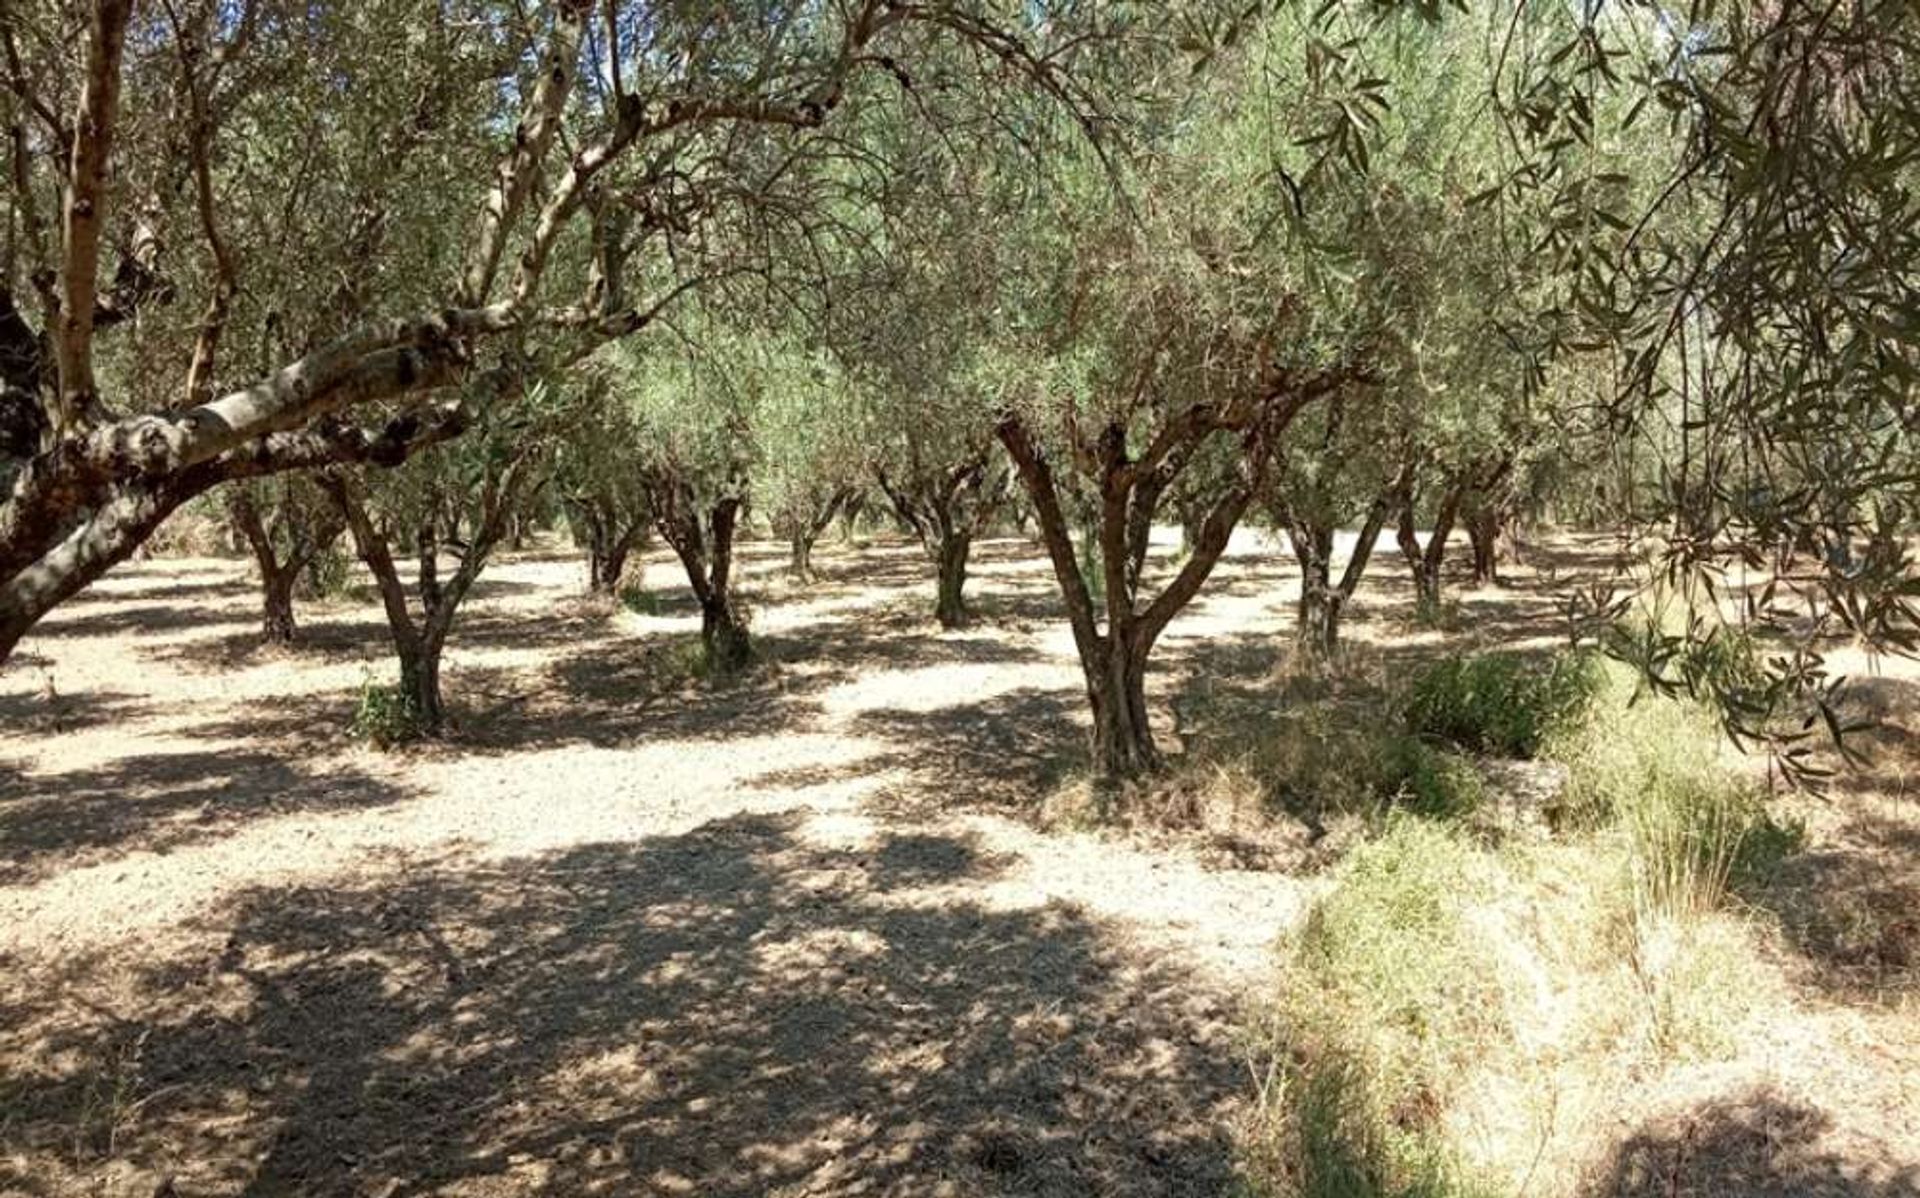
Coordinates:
1324 599
1424 562
305 536
703 541
419 640
1114 652
945 509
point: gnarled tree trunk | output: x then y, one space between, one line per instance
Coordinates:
305 536
1323 600
1114 652
950 606
804 525
610 536
946 509
418 642
703 540
1424 562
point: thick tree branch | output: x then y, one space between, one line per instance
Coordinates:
85 211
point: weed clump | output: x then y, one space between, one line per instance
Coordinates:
384 716
1386 1001
1694 827
1500 702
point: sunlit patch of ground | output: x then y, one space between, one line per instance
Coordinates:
631 932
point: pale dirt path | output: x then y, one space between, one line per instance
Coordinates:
551 798
794 937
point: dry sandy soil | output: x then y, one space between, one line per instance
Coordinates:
628 933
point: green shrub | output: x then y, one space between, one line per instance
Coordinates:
384 717
327 575
1499 702
1324 759
1438 784
640 601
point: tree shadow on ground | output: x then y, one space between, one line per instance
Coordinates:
1852 909
736 1011
161 801
1758 1145
1001 752
333 630
1851 906
45 712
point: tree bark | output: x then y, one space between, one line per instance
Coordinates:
1317 615
1323 600
805 527
606 566
277 624
1123 745
704 544
276 582
280 576
1113 658
944 509
419 643
1424 563
1483 534
950 606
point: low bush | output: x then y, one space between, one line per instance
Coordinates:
384 716
1437 783
640 601
1499 702
328 575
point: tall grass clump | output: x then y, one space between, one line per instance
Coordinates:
1694 826
1500 703
1386 1001
1649 774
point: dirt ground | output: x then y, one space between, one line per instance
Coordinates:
801 934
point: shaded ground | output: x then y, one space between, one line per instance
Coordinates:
631 933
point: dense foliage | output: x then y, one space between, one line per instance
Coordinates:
1404 267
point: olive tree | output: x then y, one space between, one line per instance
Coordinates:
699 408
811 450
287 524
1171 350
601 487
457 500
244 160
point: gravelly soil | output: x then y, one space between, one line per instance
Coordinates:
625 933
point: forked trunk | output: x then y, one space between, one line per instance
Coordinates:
1323 598
705 549
606 566
1113 659
1424 563
950 608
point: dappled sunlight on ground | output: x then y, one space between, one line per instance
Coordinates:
630 931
